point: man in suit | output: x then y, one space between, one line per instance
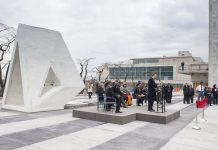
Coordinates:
185 93
152 91
191 93
111 97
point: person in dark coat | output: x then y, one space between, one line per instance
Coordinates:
182 64
112 95
119 95
215 94
205 91
139 94
100 91
185 93
188 94
191 93
169 93
109 94
152 91
164 91
209 96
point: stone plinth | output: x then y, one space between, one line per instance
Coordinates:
129 114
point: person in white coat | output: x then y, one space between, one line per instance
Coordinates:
89 88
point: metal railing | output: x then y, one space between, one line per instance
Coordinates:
194 68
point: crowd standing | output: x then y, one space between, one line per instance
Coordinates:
117 92
188 92
202 92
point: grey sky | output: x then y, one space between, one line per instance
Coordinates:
113 30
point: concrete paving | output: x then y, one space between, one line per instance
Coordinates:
150 137
58 130
204 139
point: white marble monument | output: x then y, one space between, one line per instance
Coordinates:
213 42
42 75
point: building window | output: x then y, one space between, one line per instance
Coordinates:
141 73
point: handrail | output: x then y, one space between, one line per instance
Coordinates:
194 67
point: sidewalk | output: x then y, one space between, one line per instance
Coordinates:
81 101
204 139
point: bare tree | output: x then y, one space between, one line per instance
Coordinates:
127 71
81 69
101 69
7 37
84 64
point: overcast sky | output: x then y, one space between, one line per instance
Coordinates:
114 30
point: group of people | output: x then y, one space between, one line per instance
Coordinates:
202 92
118 92
188 92
114 92
211 94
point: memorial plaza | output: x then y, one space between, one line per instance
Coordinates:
144 82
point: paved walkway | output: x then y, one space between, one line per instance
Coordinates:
58 130
204 139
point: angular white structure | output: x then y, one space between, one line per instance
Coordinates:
42 75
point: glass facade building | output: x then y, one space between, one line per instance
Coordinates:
145 60
141 73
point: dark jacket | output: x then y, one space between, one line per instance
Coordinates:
191 91
116 90
138 91
151 90
100 92
110 94
214 92
169 88
185 90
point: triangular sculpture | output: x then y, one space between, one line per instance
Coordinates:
42 75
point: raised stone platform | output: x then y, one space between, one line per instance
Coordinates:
129 114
